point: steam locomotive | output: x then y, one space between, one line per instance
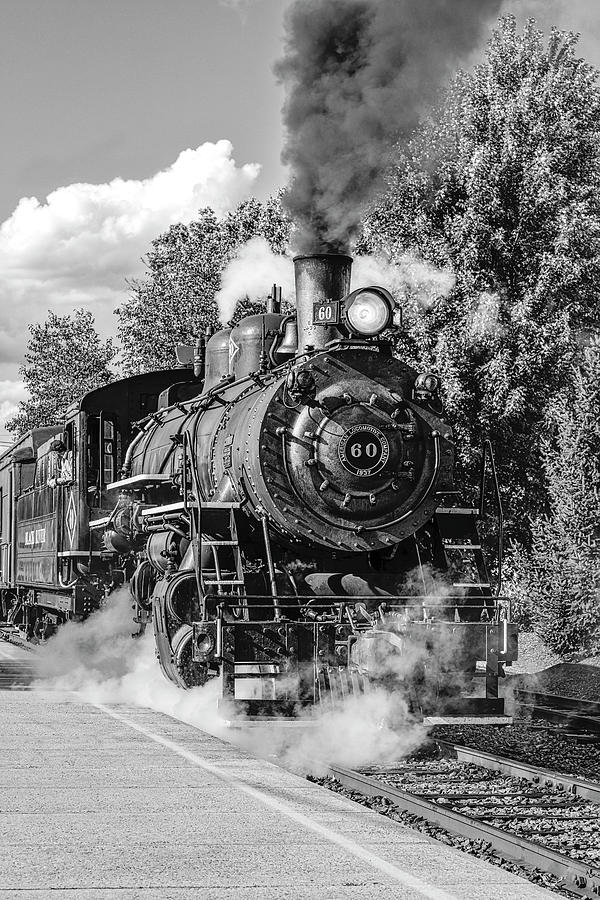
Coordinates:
281 506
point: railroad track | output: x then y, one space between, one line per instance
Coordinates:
528 815
17 671
16 674
581 716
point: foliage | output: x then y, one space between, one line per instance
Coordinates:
65 359
503 186
176 301
557 583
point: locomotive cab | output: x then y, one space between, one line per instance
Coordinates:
53 489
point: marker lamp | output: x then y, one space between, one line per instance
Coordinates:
368 311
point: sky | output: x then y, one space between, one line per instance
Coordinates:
121 117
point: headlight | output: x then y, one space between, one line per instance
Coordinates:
427 383
205 644
368 311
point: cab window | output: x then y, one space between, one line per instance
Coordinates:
109 452
42 471
103 455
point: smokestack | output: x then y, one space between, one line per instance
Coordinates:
321 278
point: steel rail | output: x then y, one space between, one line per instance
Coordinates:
581 715
578 787
577 724
10 635
577 877
16 674
559 701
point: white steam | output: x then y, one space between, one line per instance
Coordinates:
363 729
251 274
99 660
410 274
255 268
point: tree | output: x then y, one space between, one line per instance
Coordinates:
65 359
556 584
176 301
503 186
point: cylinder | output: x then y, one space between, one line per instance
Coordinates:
321 279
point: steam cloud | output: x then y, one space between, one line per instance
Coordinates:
408 274
99 660
251 273
255 268
358 74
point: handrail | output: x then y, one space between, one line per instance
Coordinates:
195 522
488 456
297 601
271 567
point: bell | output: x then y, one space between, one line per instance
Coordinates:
287 343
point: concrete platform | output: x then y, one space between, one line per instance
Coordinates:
103 802
12 652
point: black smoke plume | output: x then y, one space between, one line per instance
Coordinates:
358 75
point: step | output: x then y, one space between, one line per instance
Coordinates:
471 584
164 510
214 504
226 582
144 479
461 546
220 543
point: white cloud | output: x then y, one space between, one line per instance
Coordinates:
78 247
11 392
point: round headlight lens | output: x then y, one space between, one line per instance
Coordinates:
205 644
369 313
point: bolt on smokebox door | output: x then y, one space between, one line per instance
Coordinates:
320 278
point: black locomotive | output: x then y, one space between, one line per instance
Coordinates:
285 514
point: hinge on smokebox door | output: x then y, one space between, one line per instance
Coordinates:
228 452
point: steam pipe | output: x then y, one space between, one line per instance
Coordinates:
320 278
199 357
126 468
274 300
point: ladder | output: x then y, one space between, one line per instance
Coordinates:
226 576
462 548
458 531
